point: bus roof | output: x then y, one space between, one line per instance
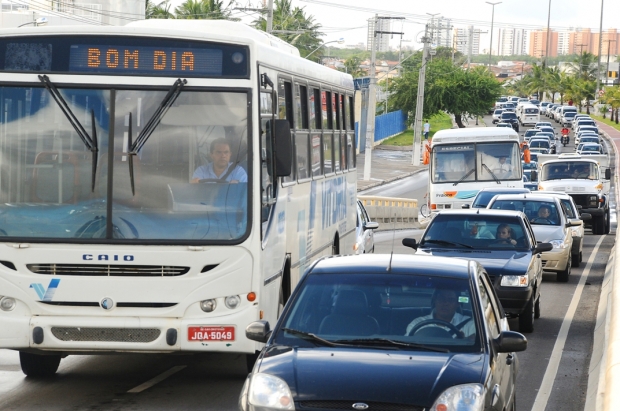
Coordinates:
475 134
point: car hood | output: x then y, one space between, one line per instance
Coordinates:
496 262
370 375
546 233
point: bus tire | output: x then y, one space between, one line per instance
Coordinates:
39 366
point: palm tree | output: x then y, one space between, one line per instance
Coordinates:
293 26
158 11
536 80
584 66
353 66
204 9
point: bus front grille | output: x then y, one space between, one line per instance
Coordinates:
132 335
108 270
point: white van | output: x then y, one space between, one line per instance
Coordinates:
528 114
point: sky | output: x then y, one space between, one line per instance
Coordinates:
348 19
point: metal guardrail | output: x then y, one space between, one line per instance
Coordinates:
392 213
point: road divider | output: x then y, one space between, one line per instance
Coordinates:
392 213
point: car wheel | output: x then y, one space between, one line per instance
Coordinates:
39 366
576 261
563 275
526 318
537 308
607 222
598 225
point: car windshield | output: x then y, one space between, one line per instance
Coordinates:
539 143
509 115
538 212
379 310
475 231
569 170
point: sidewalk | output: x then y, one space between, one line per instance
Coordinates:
390 163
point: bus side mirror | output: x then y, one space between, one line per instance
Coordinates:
534 175
283 147
608 174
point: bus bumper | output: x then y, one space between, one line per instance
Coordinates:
119 334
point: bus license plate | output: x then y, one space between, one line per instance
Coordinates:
214 333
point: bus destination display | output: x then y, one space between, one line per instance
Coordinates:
147 60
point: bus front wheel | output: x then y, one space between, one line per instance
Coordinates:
39 366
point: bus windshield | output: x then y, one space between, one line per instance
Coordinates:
456 163
189 178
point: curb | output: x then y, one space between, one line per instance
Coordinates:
389 180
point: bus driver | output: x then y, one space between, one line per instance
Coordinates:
219 168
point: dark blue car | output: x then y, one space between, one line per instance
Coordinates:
503 242
386 332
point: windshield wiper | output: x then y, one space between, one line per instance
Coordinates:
494 176
134 147
90 142
393 343
309 336
444 242
465 176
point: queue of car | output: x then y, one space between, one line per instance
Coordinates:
430 330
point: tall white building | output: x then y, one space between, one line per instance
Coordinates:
442 31
462 38
563 43
383 40
512 41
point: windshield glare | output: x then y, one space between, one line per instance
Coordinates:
46 176
538 212
338 307
569 170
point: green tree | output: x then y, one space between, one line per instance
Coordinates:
449 88
584 66
292 25
353 67
204 9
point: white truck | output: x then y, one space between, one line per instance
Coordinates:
585 178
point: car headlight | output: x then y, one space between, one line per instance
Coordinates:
466 397
558 243
270 393
514 281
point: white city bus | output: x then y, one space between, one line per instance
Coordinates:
463 161
107 244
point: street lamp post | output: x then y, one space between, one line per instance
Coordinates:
339 41
600 50
41 21
492 19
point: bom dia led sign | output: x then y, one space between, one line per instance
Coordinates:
108 59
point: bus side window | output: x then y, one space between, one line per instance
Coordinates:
285 111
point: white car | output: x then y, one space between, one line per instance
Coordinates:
364 236
497 114
588 138
572 212
589 148
585 133
543 124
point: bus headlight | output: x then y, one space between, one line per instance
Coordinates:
7 303
208 305
232 301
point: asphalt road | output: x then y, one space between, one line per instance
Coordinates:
213 381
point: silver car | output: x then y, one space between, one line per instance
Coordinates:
550 225
364 236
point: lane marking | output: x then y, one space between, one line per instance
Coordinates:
542 398
157 379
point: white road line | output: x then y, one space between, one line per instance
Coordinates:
157 379
540 403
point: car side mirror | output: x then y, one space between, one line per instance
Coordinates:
542 247
574 223
371 225
510 341
258 331
585 216
410 242
534 175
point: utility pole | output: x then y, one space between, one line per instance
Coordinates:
372 98
581 46
607 71
600 50
548 35
419 109
270 16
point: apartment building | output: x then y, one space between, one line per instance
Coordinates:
462 39
512 41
